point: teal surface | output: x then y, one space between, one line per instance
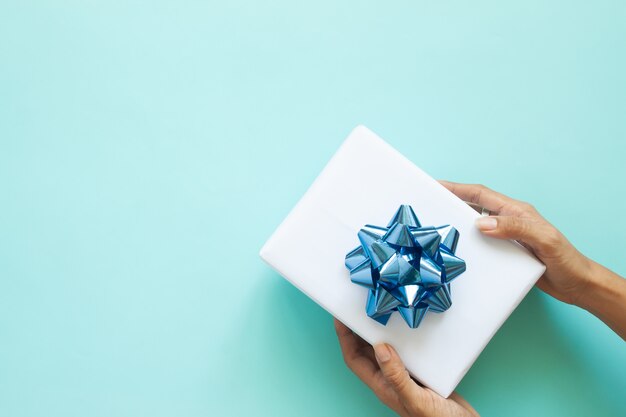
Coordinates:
148 149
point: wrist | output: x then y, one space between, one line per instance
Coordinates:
583 280
600 286
590 284
606 298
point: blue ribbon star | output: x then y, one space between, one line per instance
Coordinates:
406 267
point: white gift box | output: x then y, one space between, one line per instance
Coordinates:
364 183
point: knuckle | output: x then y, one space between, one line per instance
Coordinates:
516 226
477 193
519 224
398 379
523 207
528 208
552 237
523 227
481 189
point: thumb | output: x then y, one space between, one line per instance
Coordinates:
396 375
526 230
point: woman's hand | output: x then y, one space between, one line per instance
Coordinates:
570 276
568 273
382 370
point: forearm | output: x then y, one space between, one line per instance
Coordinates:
605 297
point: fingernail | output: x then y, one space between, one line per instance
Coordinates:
382 352
486 223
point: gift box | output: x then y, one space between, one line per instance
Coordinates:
364 184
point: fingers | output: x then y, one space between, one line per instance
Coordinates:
410 394
479 194
540 236
359 357
516 219
352 348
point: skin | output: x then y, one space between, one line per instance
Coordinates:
570 277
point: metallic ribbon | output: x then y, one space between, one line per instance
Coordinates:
406 267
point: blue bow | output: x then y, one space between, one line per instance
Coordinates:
406 267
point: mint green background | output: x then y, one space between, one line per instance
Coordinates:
148 149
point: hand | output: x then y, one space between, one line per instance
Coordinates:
382 370
568 274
